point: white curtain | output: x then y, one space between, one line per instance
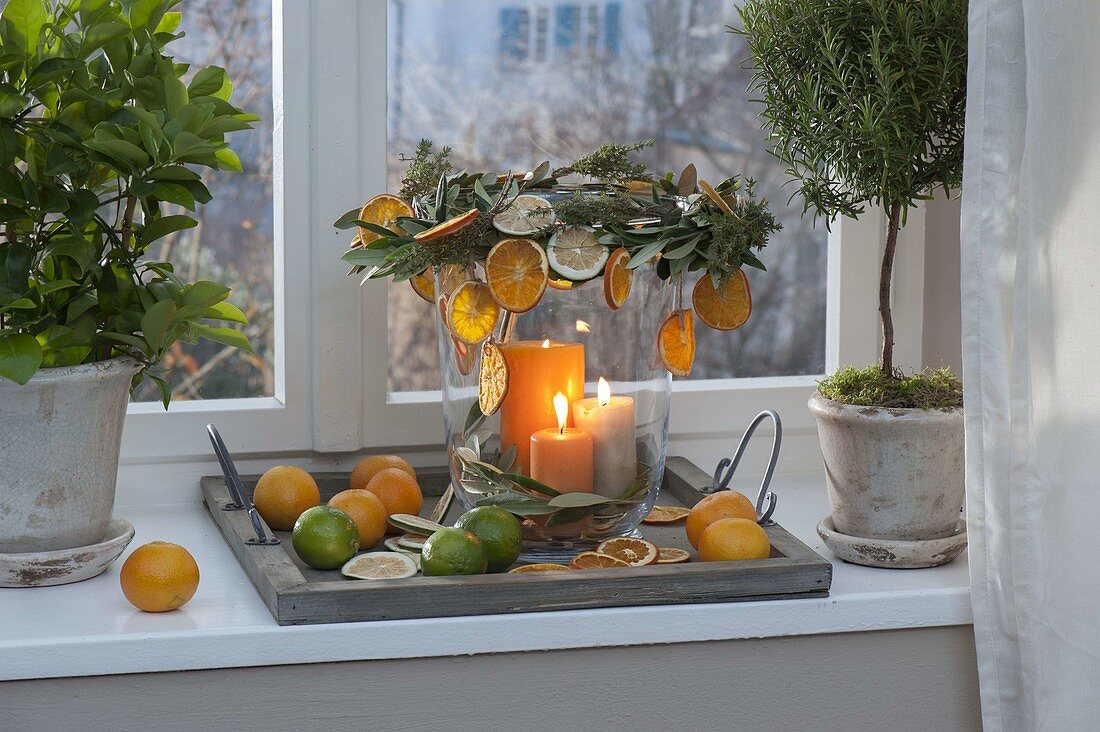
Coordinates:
1031 354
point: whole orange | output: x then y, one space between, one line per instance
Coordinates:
370 466
733 539
159 576
399 492
367 511
724 504
283 493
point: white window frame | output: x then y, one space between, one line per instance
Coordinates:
332 336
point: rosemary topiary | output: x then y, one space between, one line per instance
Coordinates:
864 101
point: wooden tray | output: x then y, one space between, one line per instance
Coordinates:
297 594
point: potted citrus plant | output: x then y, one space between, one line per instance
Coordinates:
865 102
99 135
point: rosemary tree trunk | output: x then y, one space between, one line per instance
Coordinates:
884 282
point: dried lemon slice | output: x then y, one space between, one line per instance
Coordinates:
472 313
543 567
676 343
492 382
576 254
379 565
672 555
596 560
723 308
660 515
516 272
524 216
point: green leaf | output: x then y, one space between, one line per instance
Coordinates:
226 311
169 23
20 356
228 160
226 336
578 500
156 321
49 286
23 20
211 82
205 293
569 515
530 484
100 34
166 225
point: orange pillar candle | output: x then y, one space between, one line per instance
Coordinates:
536 372
561 457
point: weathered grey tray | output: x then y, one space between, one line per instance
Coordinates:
297 594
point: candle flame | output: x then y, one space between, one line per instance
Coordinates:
561 407
583 327
546 343
603 393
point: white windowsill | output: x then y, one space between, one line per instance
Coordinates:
89 629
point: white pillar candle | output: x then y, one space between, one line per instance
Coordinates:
610 422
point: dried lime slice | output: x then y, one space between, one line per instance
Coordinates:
524 216
412 542
414 524
379 565
575 253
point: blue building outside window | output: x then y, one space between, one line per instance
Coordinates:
567 21
613 28
514 32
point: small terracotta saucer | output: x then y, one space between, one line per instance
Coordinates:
892 554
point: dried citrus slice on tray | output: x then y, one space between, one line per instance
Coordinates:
715 196
516 272
412 542
635 552
617 279
672 555
596 560
524 216
661 515
379 565
450 226
543 567
409 523
723 308
492 382
383 211
472 313
576 254
676 343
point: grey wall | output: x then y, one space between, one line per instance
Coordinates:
942 345
903 681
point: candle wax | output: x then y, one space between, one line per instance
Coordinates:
535 375
562 459
616 452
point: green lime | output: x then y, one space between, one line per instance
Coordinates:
453 551
499 531
325 537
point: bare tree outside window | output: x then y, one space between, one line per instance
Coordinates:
614 71
233 242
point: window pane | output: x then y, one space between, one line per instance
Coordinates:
233 243
613 71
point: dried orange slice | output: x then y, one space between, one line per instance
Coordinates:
492 381
596 560
472 313
724 308
448 227
676 343
516 271
635 552
384 211
576 254
423 284
672 555
617 279
544 567
662 515
555 283
715 196
524 216
465 357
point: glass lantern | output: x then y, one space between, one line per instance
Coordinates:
577 446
